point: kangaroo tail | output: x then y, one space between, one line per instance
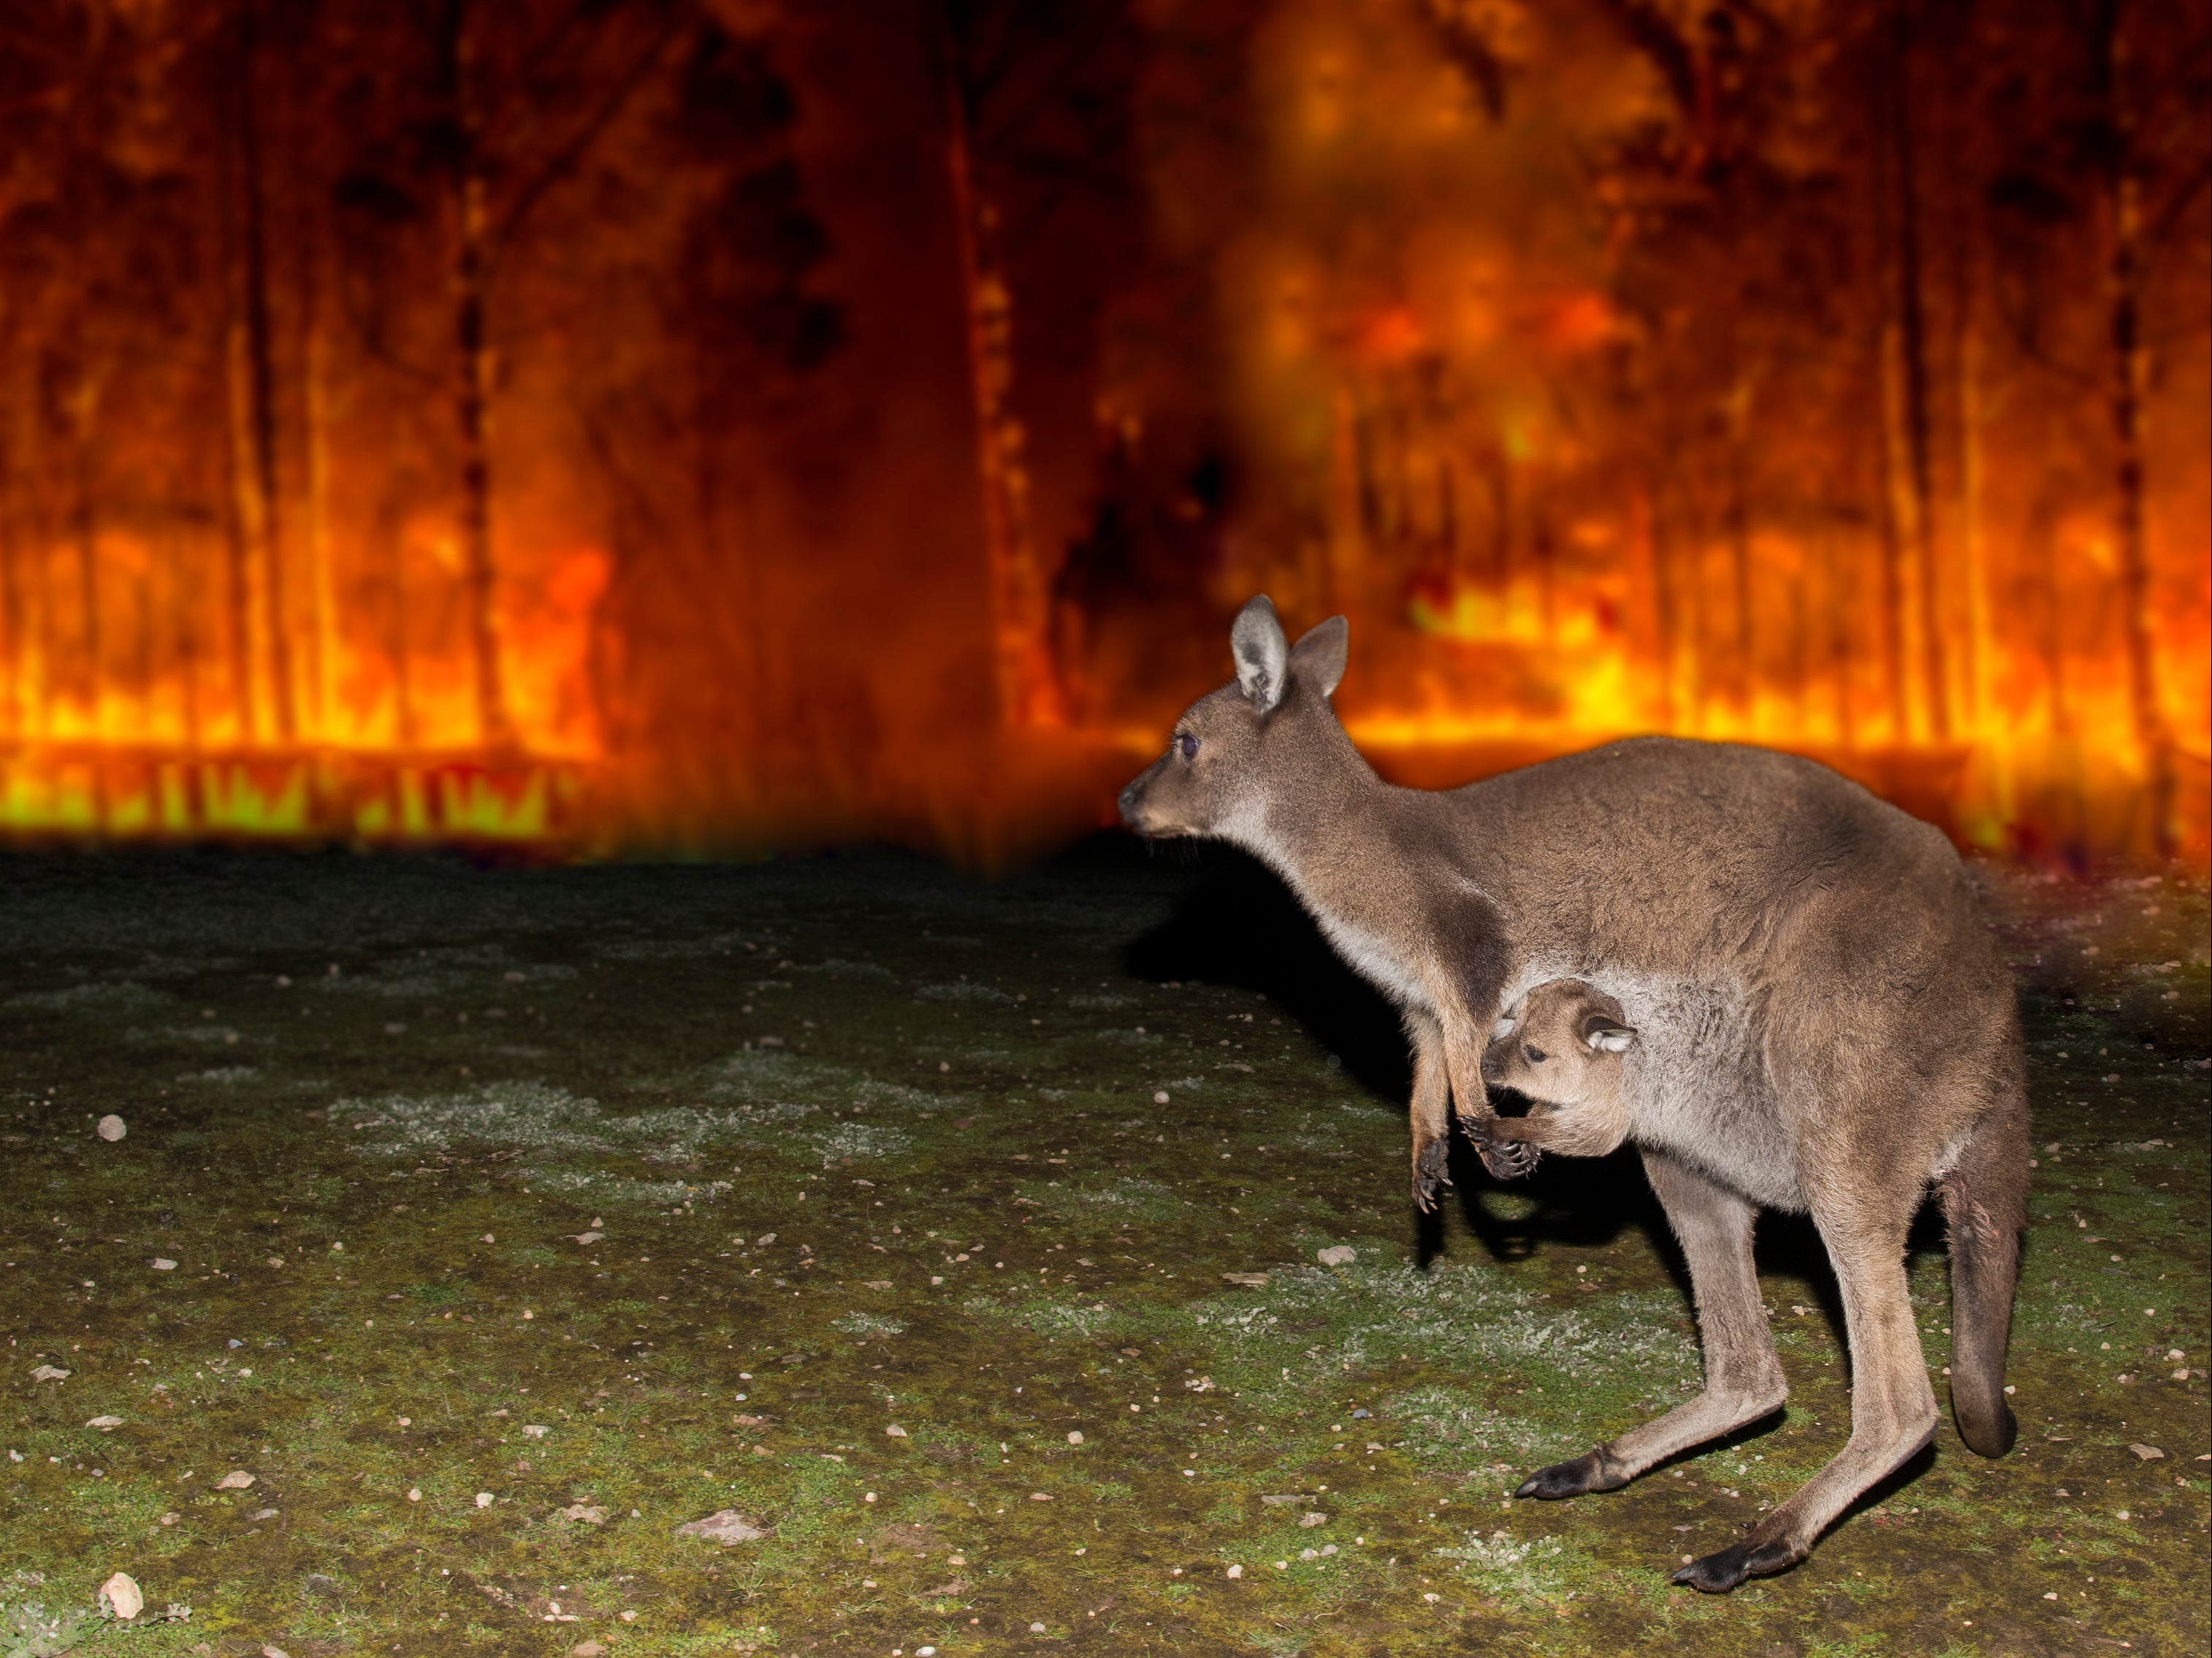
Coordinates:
1985 1201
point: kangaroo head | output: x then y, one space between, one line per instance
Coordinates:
1561 1046
1235 749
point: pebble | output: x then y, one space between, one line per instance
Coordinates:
105 1424
485 1499
112 1128
49 1372
585 1513
1160 1097
2148 1453
163 1264
1075 1438
121 1595
1235 1572
1036 1629
724 1526
536 1430
895 1431
236 1480
1337 1254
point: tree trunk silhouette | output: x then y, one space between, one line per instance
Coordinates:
2127 373
266 525
1029 689
472 371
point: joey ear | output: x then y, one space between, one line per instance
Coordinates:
1262 654
1604 1036
1318 657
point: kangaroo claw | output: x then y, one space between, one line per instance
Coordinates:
1724 1569
1431 1174
1586 1472
1505 1159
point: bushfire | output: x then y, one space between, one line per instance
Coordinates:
600 425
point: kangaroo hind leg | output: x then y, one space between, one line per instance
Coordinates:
1893 1406
1743 1376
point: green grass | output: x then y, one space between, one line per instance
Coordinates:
790 1098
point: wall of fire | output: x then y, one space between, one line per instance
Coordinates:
661 422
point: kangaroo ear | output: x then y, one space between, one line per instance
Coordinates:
1604 1036
1318 659
1263 656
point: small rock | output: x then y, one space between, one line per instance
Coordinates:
765 1238
259 1515
105 1424
1249 1280
236 1480
1235 1572
1288 1498
1338 1254
585 1513
724 1526
119 1594
49 1372
1313 1517
587 1237
321 1583
895 1431
1075 1437
271 1650
1362 1414
112 1128
535 1430
2148 1453
1036 1629
485 1499
1160 1097
587 1649
163 1264
1040 1496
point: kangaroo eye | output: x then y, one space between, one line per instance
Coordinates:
1535 1055
1188 744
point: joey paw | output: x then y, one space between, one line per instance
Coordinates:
1505 1159
1724 1569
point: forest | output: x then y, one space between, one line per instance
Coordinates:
692 423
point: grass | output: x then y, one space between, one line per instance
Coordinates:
522 1217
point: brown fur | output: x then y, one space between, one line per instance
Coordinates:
1821 1023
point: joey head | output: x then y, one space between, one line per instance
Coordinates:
1563 1049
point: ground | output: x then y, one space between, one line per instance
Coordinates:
965 1238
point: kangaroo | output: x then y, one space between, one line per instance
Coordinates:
1784 942
1561 1048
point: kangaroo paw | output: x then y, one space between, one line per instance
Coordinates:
1723 1569
1431 1174
1586 1472
1505 1159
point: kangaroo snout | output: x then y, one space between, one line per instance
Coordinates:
1131 802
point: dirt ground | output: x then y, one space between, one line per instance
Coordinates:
963 1237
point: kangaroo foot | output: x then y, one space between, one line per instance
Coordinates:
1591 1472
1431 1174
1723 1569
1505 1159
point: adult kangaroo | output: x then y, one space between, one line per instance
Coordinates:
1843 1031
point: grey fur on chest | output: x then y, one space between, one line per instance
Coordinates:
1696 1085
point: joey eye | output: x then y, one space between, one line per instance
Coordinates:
1532 1054
1188 745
